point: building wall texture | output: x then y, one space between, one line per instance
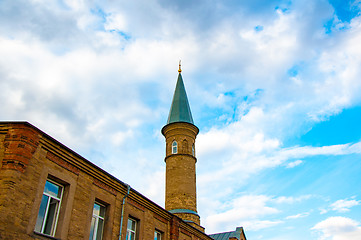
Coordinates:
29 157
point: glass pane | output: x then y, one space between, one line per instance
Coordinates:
99 210
92 227
96 209
131 224
50 220
41 215
100 229
52 189
174 147
131 229
129 235
157 235
102 211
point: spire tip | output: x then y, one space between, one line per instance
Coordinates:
179 70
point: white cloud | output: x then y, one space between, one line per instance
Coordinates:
115 21
253 212
344 205
307 151
244 211
300 215
291 200
294 164
244 148
341 206
153 186
75 4
323 211
260 224
338 228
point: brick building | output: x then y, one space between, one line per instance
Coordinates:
48 191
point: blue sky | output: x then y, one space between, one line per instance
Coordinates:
274 87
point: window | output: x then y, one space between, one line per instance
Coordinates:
49 208
131 229
174 147
157 235
97 224
193 150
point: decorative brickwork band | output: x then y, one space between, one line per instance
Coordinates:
156 216
135 204
20 144
98 183
62 163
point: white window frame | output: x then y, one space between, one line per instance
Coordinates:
129 230
174 147
96 224
156 234
59 199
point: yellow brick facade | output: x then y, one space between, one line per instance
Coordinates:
29 157
181 192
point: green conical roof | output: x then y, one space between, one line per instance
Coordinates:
180 110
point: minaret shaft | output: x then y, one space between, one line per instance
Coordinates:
180 134
180 167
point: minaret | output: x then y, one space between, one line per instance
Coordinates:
180 134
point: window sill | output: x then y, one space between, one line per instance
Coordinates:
44 236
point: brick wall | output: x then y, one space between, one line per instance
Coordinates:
28 157
181 192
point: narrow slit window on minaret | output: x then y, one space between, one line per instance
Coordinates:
174 147
193 151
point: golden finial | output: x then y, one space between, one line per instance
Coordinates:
179 70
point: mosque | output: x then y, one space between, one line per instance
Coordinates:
48 191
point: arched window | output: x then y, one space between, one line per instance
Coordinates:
174 147
193 150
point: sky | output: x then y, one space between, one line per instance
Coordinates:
274 87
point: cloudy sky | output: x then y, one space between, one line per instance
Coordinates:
274 87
